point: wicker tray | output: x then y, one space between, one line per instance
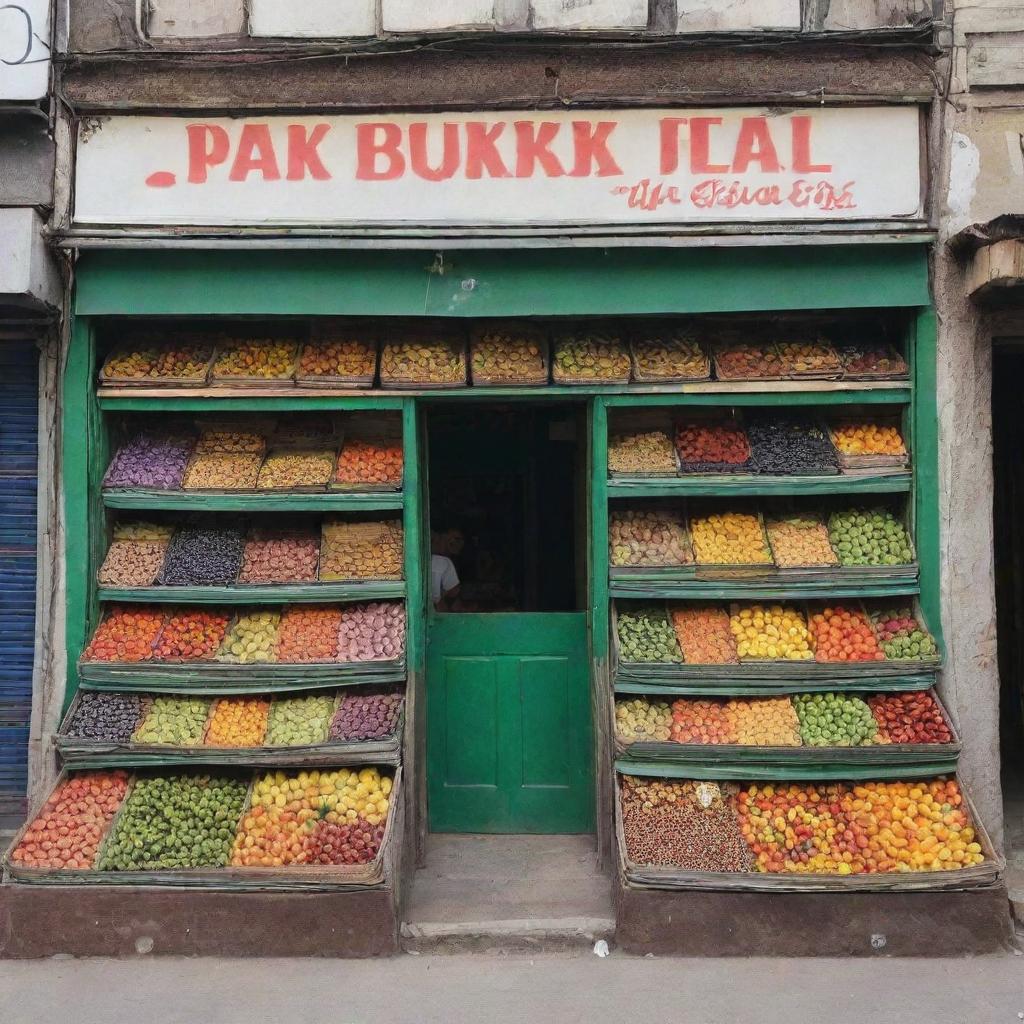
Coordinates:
833 373
528 332
247 381
869 463
915 605
721 347
733 570
652 877
731 419
457 345
197 380
622 377
318 380
843 351
671 336
642 421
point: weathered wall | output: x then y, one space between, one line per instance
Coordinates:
981 176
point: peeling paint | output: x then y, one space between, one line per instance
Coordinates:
964 169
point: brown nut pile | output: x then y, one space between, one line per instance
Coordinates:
280 557
591 356
423 360
290 468
361 551
500 354
346 358
216 472
257 358
132 563
672 355
216 440
688 825
648 537
800 540
641 452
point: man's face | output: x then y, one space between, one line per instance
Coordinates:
454 542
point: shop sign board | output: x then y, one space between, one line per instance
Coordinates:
514 169
24 49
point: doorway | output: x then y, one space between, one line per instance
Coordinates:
509 728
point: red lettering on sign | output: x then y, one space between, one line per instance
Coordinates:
700 146
482 151
208 146
419 158
802 163
303 155
755 145
533 146
369 148
591 142
669 130
255 153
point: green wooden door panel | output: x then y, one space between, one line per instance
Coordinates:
516 282
509 734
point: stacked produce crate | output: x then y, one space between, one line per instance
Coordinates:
240 715
775 722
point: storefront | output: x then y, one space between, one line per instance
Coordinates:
696 482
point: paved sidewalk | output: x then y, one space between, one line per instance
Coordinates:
502 990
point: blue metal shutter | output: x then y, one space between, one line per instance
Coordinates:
19 445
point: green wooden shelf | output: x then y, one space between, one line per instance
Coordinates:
194 501
728 485
914 767
740 687
373 590
765 588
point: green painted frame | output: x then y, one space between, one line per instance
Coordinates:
557 282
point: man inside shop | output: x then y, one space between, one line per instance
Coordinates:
444 580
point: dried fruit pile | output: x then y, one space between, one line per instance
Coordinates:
835 720
748 360
128 633
175 721
857 829
423 360
707 445
872 360
67 832
810 357
361 551
670 355
158 362
280 556
176 822
869 537
687 825
134 562
858 438
113 717
641 452
372 632
266 359
300 721
590 357
645 635
251 639
202 556
238 722
799 541
509 355
151 460
843 634
315 817
704 634
790 446
648 538
902 637
292 468
771 632
342 358
764 722
909 718
729 538
369 463
192 634
700 721
643 721
364 717
308 634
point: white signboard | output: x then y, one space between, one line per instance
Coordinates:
24 49
505 168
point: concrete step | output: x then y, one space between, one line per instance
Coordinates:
516 894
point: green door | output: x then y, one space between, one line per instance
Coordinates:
509 734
